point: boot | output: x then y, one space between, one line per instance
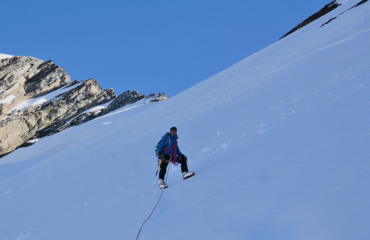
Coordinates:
162 184
187 175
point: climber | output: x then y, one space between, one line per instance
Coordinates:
168 151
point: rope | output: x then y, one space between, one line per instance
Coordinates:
142 225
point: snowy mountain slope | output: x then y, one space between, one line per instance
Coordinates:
279 142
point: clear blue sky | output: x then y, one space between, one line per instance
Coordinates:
151 46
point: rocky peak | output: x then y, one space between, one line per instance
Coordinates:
38 99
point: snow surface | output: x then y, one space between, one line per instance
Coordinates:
279 143
3 56
45 98
33 140
7 100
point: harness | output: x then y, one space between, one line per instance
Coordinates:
173 155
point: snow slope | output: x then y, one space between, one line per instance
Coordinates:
3 56
279 142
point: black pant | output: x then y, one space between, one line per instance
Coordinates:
163 167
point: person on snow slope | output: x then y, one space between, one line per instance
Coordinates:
169 151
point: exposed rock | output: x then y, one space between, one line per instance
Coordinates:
125 98
160 97
331 19
54 104
328 8
71 104
83 118
42 120
360 3
132 97
122 100
25 78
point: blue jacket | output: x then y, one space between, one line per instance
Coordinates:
170 143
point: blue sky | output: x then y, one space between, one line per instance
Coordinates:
150 46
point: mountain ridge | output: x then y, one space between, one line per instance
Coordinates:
37 98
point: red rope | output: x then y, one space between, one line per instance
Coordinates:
137 237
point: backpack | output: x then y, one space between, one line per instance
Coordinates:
157 146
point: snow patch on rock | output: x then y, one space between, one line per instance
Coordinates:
45 98
7 100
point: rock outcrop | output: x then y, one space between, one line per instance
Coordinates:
333 18
122 100
325 10
328 8
44 119
38 99
25 78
